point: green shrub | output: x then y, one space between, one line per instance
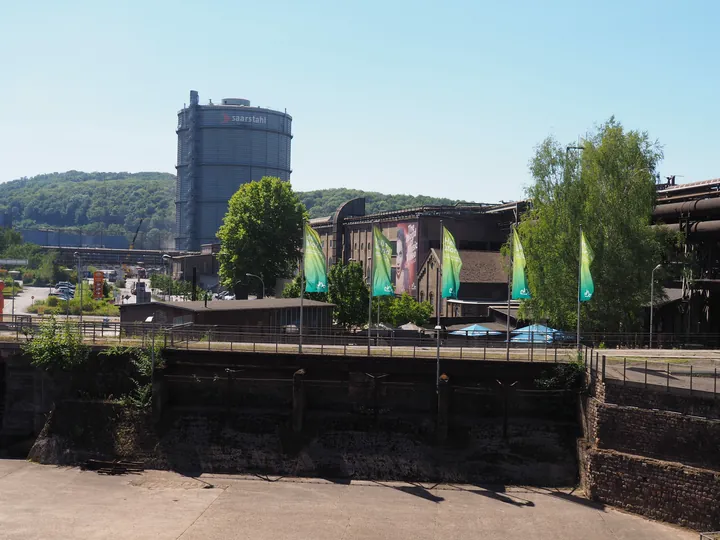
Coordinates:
569 376
56 347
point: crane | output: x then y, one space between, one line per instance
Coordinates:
132 244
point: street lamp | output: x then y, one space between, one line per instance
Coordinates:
165 259
79 280
438 328
261 281
652 299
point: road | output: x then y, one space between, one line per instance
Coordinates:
40 502
24 299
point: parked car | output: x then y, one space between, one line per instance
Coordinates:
61 284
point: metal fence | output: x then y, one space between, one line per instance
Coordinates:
689 375
681 368
284 340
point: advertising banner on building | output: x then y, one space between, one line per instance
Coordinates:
98 279
406 263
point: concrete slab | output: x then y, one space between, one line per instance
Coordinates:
39 502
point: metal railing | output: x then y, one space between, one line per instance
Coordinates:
286 340
694 375
402 344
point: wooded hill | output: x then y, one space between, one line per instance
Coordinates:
114 203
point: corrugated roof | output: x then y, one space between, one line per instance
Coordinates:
480 266
320 220
238 305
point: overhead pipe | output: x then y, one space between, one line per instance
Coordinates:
694 209
701 227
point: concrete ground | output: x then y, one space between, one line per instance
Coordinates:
24 299
40 502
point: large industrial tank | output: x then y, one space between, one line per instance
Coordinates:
220 147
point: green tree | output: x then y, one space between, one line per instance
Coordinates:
608 188
346 289
9 237
323 202
292 290
95 203
350 294
261 233
406 309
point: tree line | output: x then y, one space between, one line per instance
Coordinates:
606 184
91 203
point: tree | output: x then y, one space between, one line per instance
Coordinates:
323 202
405 308
350 294
95 203
292 290
609 188
9 237
346 289
261 233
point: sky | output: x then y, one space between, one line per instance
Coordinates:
435 98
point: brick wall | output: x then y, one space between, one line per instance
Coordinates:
635 395
332 445
658 489
617 458
660 434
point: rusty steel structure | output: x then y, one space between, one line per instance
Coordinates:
693 210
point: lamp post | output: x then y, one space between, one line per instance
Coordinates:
652 300
438 328
248 274
79 280
165 259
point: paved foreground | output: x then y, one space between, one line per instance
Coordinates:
42 502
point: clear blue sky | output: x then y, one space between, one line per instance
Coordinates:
437 98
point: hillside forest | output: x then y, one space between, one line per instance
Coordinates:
115 203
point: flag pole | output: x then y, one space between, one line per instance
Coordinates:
578 295
302 291
370 281
437 309
507 322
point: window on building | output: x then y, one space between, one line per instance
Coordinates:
431 297
422 296
362 246
394 247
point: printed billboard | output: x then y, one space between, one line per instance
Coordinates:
98 279
406 262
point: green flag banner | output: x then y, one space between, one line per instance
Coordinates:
520 289
314 262
587 287
382 265
451 266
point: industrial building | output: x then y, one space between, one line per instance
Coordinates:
267 315
413 233
483 284
692 303
220 147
